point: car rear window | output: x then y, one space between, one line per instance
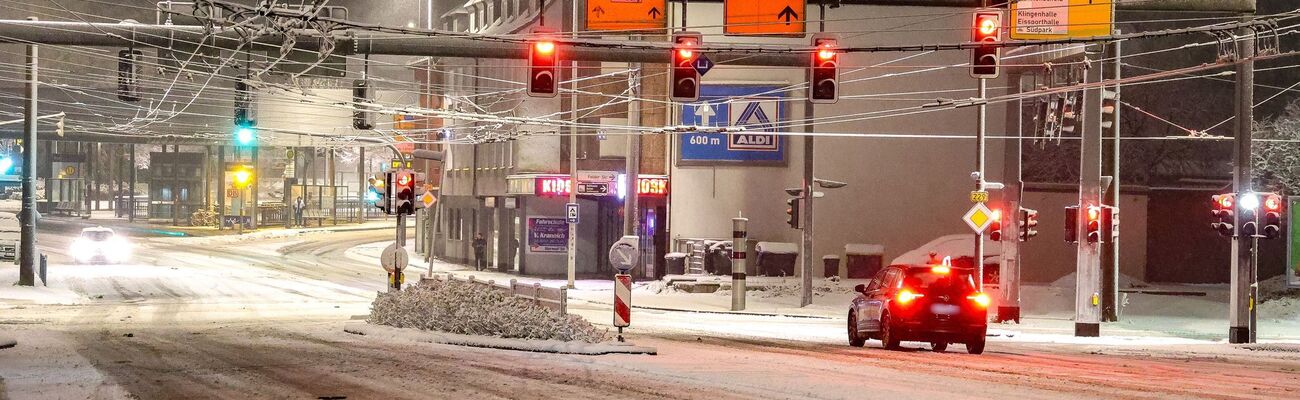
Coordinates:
954 281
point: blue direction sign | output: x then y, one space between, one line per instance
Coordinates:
759 109
703 64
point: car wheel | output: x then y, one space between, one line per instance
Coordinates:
975 346
854 339
888 337
939 347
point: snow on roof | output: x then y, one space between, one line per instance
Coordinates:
831 257
955 246
777 248
864 249
675 255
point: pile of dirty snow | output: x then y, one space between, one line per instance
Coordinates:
474 309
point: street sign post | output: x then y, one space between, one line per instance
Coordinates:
626 15
978 218
768 17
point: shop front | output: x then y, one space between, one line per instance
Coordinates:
544 228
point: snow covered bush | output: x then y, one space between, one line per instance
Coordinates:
475 309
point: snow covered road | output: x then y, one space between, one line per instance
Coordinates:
221 317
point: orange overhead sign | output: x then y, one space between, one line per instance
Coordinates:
764 17
1056 19
627 15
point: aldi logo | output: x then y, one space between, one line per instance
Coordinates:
753 142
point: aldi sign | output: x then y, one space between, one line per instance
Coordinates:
758 109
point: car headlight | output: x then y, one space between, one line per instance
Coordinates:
82 250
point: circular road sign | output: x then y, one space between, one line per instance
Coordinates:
625 253
394 258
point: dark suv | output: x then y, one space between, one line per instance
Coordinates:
927 303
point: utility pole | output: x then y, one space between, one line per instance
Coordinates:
806 255
1009 274
981 122
1241 328
631 212
1087 313
27 248
573 141
1110 163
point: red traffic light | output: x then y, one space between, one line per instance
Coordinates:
824 74
1094 213
1272 202
544 47
987 26
1224 200
685 79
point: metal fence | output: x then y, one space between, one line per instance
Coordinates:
553 298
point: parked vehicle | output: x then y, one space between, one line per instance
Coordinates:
938 304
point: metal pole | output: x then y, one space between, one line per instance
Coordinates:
257 175
1110 251
981 129
739 236
806 235
27 247
573 154
130 207
631 212
1009 273
1087 319
1239 311
401 246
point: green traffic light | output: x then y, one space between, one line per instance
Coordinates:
245 135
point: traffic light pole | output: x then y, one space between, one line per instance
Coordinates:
1111 165
1240 311
806 255
1009 273
1087 310
27 246
981 122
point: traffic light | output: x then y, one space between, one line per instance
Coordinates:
1094 232
1028 222
1072 224
1249 205
824 75
243 176
1272 219
1069 113
792 212
128 81
245 135
1223 211
995 227
685 79
402 188
1109 103
380 193
1109 223
543 67
987 32
360 104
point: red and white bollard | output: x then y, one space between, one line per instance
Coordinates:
622 302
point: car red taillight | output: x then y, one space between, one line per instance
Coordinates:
906 296
980 298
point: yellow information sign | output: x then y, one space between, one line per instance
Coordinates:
979 196
1057 19
626 15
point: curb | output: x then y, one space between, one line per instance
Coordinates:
487 342
741 313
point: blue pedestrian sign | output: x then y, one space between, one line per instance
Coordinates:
703 64
760 110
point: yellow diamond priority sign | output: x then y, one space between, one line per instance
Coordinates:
978 218
428 199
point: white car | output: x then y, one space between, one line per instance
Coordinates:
100 245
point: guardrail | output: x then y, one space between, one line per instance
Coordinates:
554 298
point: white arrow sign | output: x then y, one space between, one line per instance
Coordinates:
706 113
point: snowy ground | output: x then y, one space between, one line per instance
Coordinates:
264 317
